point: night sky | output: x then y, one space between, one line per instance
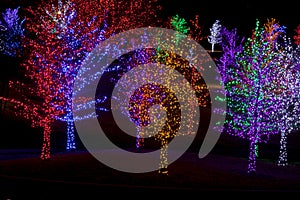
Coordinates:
233 14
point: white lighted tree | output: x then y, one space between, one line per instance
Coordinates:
215 37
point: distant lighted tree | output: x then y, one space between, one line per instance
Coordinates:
11 32
180 25
196 29
215 36
297 35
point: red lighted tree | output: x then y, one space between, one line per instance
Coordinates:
60 36
297 35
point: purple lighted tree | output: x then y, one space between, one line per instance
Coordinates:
231 45
248 75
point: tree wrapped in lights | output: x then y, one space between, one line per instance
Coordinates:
190 73
297 35
126 15
11 32
180 25
148 96
215 36
231 45
2 31
61 34
196 29
249 84
287 93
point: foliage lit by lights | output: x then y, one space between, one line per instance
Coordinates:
297 35
215 36
180 25
11 32
231 45
145 98
55 48
260 74
251 87
125 15
60 36
287 93
196 29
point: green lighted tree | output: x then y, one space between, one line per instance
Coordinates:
180 25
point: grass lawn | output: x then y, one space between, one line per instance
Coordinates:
79 174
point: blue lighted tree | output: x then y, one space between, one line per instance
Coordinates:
11 32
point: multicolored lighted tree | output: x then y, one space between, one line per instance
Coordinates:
147 97
249 83
60 36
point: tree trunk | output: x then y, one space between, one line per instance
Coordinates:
5 91
45 154
139 137
70 132
282 160
163 166
252 156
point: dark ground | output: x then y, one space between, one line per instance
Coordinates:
79 175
